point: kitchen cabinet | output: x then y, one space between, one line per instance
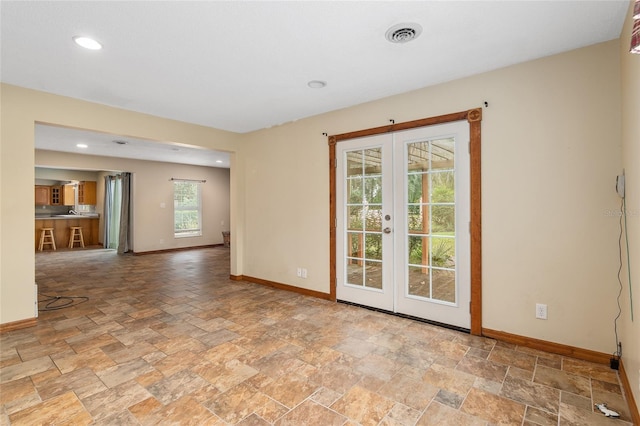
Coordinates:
43 195
68 195
56 195
87 192
65 195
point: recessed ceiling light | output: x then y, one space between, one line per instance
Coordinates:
82 145
403 33
219 161
87 43
317 84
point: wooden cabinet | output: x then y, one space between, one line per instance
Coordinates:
64 195
62 230
87 192
43 195
56 195
68 195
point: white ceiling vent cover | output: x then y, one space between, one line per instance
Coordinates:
403 33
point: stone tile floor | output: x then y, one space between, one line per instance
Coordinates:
168 339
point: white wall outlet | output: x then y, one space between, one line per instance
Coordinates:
163 205
541 311
304 273
299 272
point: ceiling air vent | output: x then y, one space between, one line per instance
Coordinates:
403 33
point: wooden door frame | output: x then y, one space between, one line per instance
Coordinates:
474 117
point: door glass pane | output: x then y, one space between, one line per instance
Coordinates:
431 242
444 285
417 188
355 217
355 272
373 190
373 243
373 218
354 244
442 187
372 159
354 188
419 282
443 219
354 163
442 154
443 252
419 250
418 156
363 185
373 274
418 218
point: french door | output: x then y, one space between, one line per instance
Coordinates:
402 216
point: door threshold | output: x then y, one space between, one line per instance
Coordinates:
411 317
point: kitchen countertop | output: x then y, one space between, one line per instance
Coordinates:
67 216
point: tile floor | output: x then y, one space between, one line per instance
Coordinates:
169 339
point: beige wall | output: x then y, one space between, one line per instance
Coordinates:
151 186
630 330
550 152
20 110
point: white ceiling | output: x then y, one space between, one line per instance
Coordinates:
242 66
64 139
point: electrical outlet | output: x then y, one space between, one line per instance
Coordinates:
304 273
299 272
541 311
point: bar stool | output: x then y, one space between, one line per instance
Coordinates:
76 236
46 238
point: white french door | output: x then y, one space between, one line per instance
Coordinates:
402 239
364 252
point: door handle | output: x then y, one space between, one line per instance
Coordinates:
387 230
